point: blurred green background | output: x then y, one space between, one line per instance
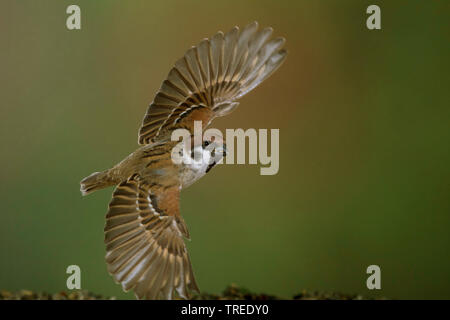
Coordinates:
364 144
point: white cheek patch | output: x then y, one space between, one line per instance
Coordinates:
198 160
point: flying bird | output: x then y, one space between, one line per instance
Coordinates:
144 231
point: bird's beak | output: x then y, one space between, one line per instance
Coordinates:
224 150
219 151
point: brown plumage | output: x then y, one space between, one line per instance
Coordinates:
144 230
212 75
144 241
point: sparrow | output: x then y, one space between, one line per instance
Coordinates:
144 230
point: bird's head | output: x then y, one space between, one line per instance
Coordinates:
209 153
200 157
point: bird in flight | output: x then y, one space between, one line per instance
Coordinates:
144 231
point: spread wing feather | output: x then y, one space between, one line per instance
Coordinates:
144 242
212 74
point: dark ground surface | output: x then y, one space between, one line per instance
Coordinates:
232 292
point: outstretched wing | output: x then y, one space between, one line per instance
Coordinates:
144 241
210 78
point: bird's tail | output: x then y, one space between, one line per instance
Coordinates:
96 181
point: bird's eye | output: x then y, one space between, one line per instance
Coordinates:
205 143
